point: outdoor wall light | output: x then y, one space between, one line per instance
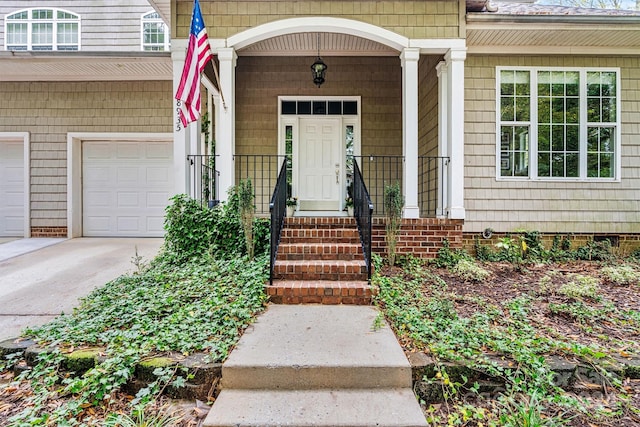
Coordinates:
318 68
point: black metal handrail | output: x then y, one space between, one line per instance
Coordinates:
278 209
363 212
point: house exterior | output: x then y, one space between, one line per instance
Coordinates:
85 119
500 116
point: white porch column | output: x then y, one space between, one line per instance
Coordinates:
181 135
455 131
409 59
443 138
226 122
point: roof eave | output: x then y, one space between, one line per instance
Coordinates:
487 17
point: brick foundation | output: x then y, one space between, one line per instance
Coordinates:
420 237
48 231
626 243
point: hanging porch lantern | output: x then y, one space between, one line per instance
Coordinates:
318 68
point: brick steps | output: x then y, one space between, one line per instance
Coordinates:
320 270
319 251
320 261
320 292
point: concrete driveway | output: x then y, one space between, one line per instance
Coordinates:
37 286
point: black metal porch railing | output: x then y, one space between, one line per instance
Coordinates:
203 178
432 185
263 170
278 209
363 212
378 171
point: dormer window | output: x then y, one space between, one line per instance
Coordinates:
42 30
155 33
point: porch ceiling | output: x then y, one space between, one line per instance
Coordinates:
66 66
306 44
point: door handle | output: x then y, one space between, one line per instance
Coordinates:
337 175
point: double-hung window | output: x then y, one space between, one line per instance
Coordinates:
42 29
559 124
155 33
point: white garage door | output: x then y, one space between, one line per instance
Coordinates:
11 189
125 187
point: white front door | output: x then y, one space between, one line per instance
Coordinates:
320 155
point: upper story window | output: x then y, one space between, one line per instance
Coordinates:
42 29
155 33
558 123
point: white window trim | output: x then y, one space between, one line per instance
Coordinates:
533 125
143 20
293 120
30 21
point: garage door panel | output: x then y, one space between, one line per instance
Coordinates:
129 200
129 224
159 151
136 193
128 151
96 151
157 175
12 207
98 223
155 223
157 199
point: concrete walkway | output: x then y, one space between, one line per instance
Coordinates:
316 365
43 282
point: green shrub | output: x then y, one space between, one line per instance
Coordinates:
247 214
581 286
469 271
595 251
192 230
621 275
393 204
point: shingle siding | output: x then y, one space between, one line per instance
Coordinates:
48 111
105 25
414 19
563 207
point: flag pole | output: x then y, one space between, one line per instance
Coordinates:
215 72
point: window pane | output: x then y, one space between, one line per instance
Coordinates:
572 110
16 34
572 169
304 107
514 151
350 108
544 110
335 107
320 107
573 138
544 138
522 83
42 33
600 152
19 15
288 107
522 109
544 164
572 83
557 138
557 165
507 110
42 14
544 83
593 109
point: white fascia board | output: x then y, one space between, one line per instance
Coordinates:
553 50
437 46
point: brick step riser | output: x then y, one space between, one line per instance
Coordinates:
317 299
319 257
320 222
346 277
321 234
288 240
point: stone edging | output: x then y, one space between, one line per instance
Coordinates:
205 375
570 375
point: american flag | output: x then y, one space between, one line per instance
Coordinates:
198 54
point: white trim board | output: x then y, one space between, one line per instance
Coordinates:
24 137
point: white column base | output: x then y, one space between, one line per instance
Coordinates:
456 212
411 212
